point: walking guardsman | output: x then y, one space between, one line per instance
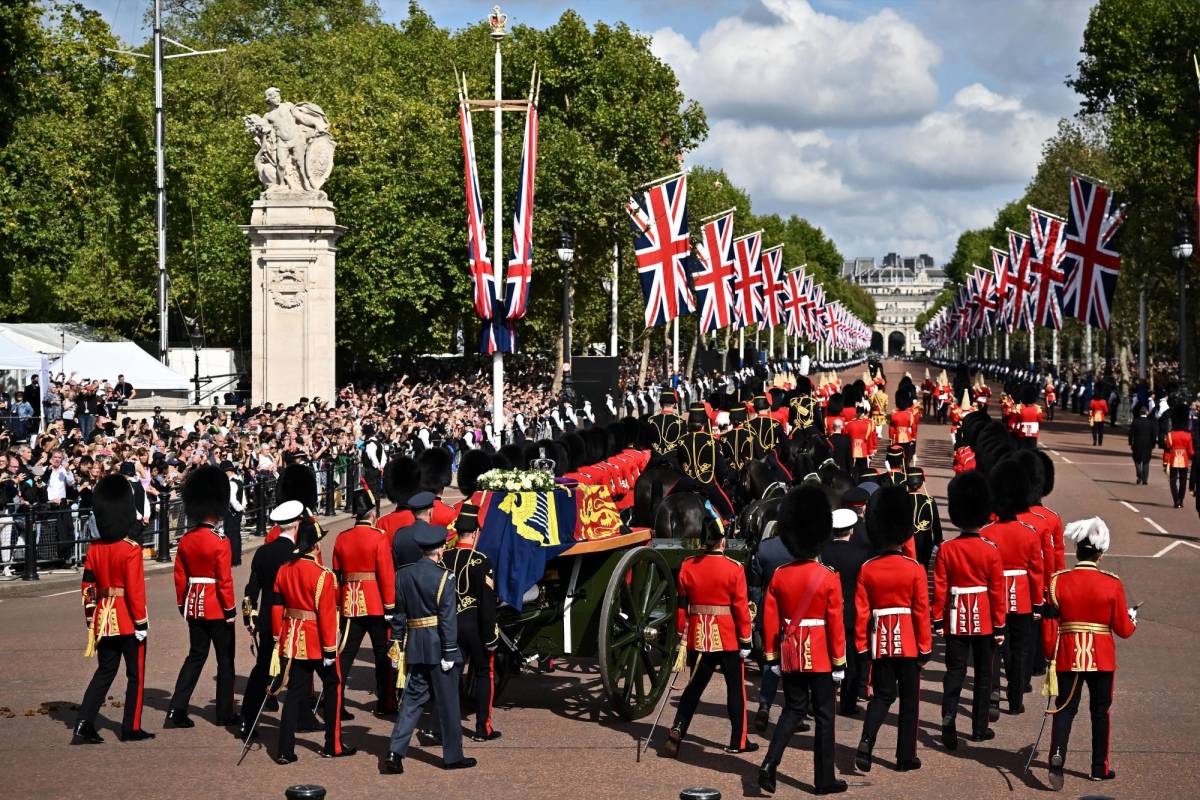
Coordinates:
305 623
114 607
714 624
425 651
968 606
204 594
1028 418
362 560
902 427
1089 607
1178 450
804 637
892 629
478 636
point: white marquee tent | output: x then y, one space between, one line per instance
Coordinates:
106 360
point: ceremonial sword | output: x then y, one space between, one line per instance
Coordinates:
658 716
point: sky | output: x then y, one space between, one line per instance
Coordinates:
893 126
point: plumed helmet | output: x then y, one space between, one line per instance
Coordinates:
1009 483
474 463
297 482
1032 464
970 500
401 477
1091 532
205 493
805 521
434 464
113 508
890 517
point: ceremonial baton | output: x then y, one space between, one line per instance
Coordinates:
658 716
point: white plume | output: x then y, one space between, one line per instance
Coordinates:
1092 531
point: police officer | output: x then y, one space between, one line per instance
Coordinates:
373 460
667 430
114 607
702 463
232 527
478 636
425 643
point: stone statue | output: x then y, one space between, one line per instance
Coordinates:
295 150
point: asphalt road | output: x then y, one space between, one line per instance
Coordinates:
561 742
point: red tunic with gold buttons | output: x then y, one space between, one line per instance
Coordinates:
862 437
1097 411
1049 527
305 617
1029 420
203 580
1091 610
902 427
114 588
1021 551
1178 450
714 611
363 557
892 603
968 586
807 595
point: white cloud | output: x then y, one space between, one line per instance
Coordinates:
799 69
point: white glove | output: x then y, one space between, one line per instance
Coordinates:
140 635
327 662
387 618
744 653
1133 614
839 675
776 670
447 665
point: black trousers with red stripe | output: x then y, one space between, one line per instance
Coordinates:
299 695
1100 695
483 668
803 691
703 665
109 652
892 677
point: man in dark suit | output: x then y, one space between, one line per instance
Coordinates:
1143 434
847 556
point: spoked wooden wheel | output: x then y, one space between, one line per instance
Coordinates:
637 632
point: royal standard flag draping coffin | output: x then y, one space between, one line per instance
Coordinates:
522 531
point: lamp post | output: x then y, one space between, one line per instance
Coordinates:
566 254
1183 252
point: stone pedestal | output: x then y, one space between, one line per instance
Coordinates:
293 246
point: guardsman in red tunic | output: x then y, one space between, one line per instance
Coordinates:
902 426
401 480
805 640
204 594
362 559
714 625
1089 608
1051 399
1097 413
968 606
1020 549
114 607
892 629
1028 419
1178 450
862 441
435 464
1049 527
304 620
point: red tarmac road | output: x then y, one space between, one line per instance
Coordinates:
561 742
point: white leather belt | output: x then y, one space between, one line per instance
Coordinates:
809 623
1012 573
967 589
956 592
201 580
890 612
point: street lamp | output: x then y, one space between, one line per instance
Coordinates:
1183 252
566 254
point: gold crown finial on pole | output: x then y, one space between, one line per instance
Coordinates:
498 19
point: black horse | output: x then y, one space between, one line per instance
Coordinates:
651 488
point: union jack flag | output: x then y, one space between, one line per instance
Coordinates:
747 279
520 262
772 286
1020 282
794 302
712 274
987 301
1047 234
661 242
483 286
1092 260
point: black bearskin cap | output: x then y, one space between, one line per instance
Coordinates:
205 493
612 440
1029 396
576 451
296 482
1047 473
836 405
803 384
904 401
890 517
1179 417
1010 488
632 429
474 463
434 464
401 477
1032 465
113 509
515 455
805 521
556 451
970 500
498 462
593 441
362 503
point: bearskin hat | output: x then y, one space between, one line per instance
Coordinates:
803 384
296 482
499 461
401 477
1009 483
612 440
1047 473
577 453
474 463
434 464
970 500
993 444
805 521
837 404
972 424
890 517
1179 417
556 451
1033 468
1029 395
904 401
632 431
593 441
516 456
205 493
362 503
113 508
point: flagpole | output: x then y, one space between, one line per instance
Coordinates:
616 274
675 347
741 347
1087 345
771 342
1054 347
497 21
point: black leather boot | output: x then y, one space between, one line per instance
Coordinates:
766 777
86 733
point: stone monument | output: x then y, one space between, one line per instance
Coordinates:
293 246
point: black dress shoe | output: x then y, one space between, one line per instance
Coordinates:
852 711
428 737
247 729
394 764
837 787
909 766
671 748
346 713
1017 709
1057 778
178 719
286 758
345 752
761 718
1104 776
984 735
138 735
86 733
480 736
862 756
310 726
803 726
949 733
766 778
465 763
749 748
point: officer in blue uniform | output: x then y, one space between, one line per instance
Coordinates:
425 629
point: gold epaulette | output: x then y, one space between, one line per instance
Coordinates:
831 569
1110 574
132 542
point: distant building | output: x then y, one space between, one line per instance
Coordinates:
902 287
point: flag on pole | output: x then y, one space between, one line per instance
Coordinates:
660 238
772 286
482 278
1092 260
712 274
1019 281
794 302
747 279
520 262
1046 265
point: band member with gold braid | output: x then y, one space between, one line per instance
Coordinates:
804 406
114 606
1090 608
769 437
737 444
703 465
666 431
927 522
